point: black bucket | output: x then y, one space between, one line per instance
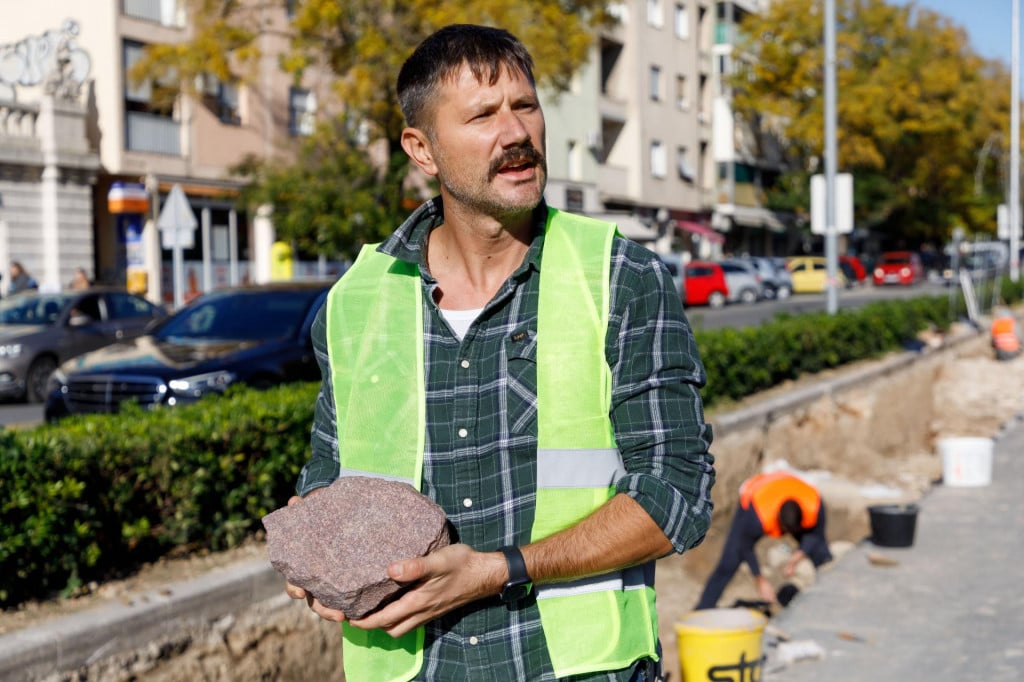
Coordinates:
893 525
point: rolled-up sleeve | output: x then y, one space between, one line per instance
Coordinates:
324 465
657 412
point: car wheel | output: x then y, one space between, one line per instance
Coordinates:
38 377
748 296
783 292
769 292
716 299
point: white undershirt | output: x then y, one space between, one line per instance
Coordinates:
459 320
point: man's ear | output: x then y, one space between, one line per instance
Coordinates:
417 145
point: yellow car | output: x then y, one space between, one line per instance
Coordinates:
809 274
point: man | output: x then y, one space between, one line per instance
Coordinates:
531 372
1004 334
773 504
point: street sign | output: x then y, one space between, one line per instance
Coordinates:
1003 222
844 203
177 223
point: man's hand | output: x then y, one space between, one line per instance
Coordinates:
765 589
441 581
296 592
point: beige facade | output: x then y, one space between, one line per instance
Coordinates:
193 145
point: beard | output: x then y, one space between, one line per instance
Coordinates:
482 197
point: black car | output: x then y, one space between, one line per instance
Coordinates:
258 335
38 331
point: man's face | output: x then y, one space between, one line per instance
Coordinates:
488 143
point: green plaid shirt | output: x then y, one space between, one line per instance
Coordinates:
485 386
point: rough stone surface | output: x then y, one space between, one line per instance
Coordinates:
337 544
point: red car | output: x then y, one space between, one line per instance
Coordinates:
898 267
705 284
854 270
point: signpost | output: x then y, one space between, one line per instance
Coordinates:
177 224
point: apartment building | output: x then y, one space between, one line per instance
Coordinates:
746 160
132 140
631 141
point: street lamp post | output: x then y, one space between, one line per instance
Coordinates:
1014 200
831 247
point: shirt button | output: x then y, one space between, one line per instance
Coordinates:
463 433
473 640
467 503
465 364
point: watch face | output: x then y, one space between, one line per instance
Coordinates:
513 593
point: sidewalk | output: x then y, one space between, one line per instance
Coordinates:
951 610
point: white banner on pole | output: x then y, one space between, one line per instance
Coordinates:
844 203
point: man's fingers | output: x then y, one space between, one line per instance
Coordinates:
324 612
294 591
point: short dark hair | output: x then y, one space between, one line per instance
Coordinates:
484 49
791 518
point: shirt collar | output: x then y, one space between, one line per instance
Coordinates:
408 243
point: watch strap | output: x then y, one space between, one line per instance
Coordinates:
517 574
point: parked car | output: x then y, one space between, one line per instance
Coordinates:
256 335
898 267
775 277
743 279
40 331
705 284
810 274
854 270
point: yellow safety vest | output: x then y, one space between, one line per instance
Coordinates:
376 346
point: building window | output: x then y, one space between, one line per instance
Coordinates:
655 82
163 12
148 109
222 99
655 15
575 153
686 171
682 94
659 164
301 111
573 199
682 22
290 6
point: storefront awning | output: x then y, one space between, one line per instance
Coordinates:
702 230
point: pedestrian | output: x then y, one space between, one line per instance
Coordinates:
80 280
20 279
773 504
1005 334
529 370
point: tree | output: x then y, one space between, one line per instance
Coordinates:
361 44
915 107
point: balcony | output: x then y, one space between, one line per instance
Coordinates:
153 134
163 12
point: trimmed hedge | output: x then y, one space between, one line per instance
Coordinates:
95 497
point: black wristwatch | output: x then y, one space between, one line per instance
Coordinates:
518 585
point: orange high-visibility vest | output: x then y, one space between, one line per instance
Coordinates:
1004 334
768 492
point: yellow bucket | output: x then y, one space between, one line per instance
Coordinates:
716 645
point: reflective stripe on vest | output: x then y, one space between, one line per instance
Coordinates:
376 351
768 492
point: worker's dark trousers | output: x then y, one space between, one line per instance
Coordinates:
732 555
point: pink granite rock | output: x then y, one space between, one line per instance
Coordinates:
337 544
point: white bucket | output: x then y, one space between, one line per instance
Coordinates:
966 462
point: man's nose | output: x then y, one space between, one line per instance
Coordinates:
513 129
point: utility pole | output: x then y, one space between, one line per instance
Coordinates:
1014 200
831 247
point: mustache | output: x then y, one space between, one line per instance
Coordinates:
517 156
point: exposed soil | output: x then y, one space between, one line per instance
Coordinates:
865 445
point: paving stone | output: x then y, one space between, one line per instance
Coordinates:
337 544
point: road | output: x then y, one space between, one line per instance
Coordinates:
734 315
746 315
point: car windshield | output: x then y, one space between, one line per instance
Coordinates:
40 309
252 316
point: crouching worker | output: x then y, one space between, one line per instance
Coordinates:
772 504
1005 335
